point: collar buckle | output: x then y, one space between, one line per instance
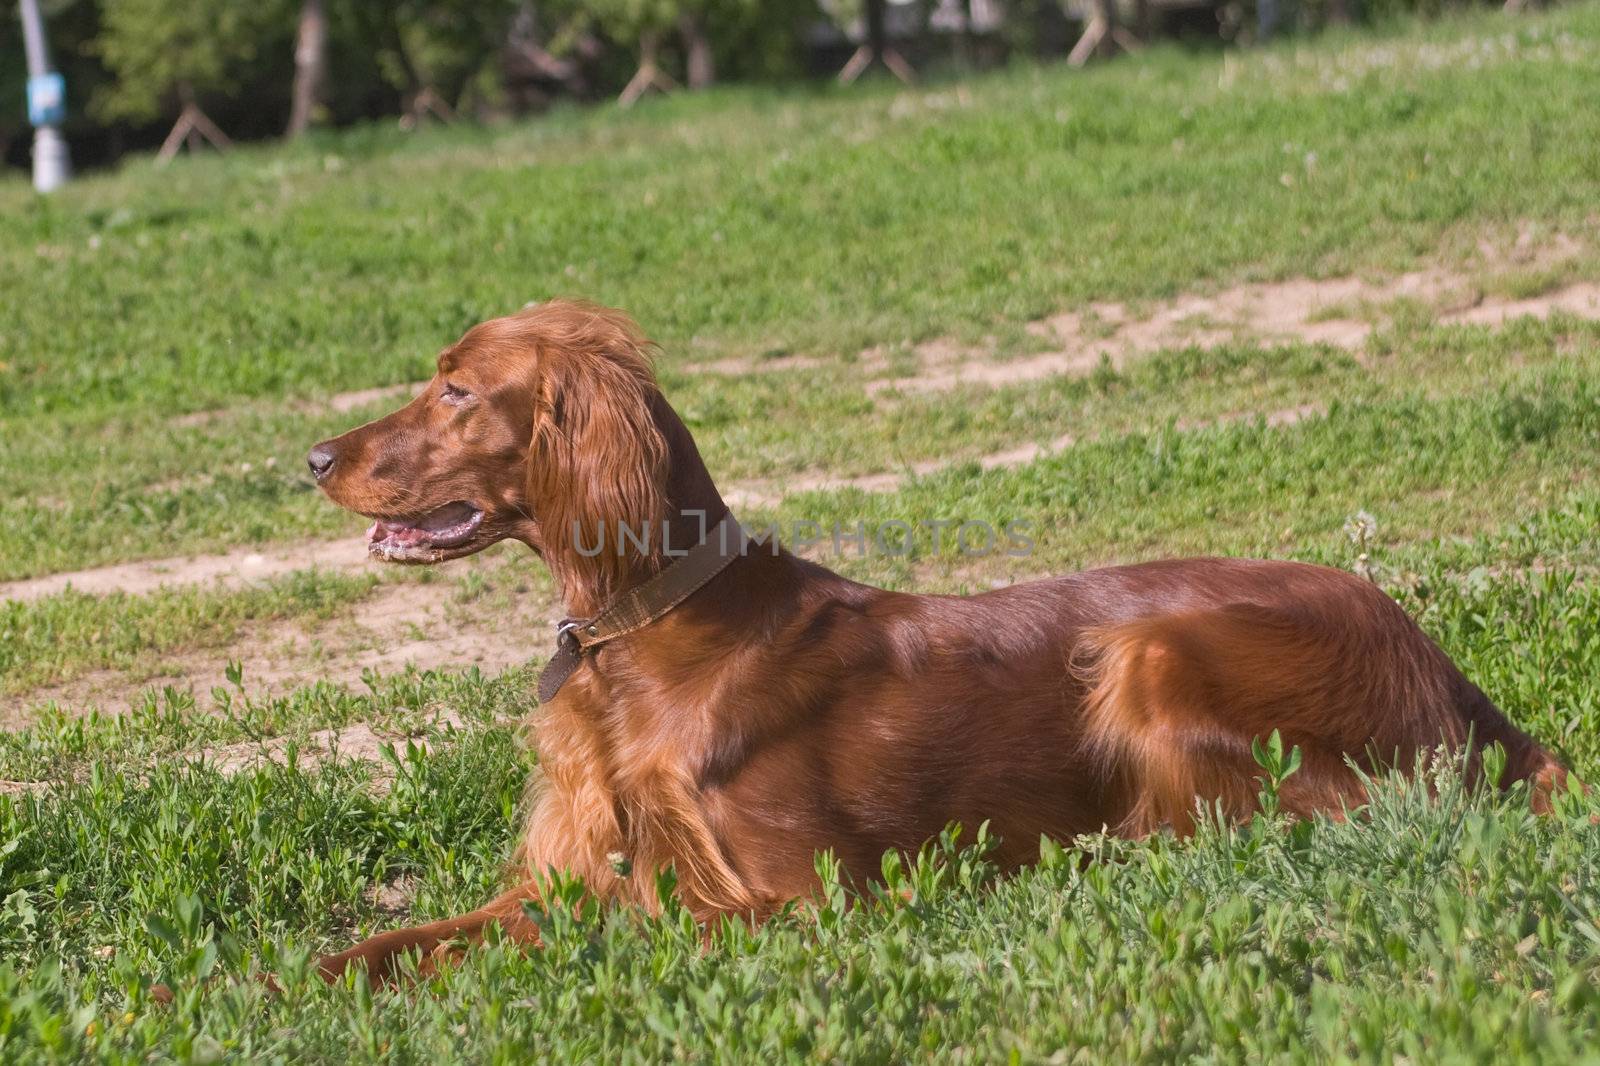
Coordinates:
565 630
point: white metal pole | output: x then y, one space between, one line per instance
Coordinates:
52 166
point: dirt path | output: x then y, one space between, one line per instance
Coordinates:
1581 299
338 403
358 741
407 623
771 492
355 741
1338 311
240 567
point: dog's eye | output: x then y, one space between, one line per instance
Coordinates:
454 395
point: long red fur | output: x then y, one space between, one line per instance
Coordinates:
784 710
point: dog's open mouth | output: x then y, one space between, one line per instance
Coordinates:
424 539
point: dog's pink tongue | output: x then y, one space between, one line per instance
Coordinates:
397 531
383 528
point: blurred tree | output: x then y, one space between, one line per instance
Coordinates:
310 66
441 53
550 48
271 66
649 22
699 62
643 22
1104 30
168 56
866 23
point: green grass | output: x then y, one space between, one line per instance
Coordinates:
1441 926
59 637
744 223
1443 466
762 220
61 746
1450 926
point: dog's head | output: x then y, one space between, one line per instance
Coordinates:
545 427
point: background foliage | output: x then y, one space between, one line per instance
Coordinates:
130 63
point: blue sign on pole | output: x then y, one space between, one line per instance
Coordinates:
47 100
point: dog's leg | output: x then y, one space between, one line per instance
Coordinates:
436 944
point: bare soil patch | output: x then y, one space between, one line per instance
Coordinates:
1335 311
345 402
1339 311
771 492
235 568
407 623
1284 416
358 741
338 403
1582 300
740 364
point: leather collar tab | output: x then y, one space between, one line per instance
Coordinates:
642 604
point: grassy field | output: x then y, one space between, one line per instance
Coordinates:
317 758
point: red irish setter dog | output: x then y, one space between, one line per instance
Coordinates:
769 708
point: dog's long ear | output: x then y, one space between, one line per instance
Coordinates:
597 465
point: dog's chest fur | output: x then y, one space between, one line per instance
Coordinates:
616 799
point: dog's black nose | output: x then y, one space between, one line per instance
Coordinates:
320 461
